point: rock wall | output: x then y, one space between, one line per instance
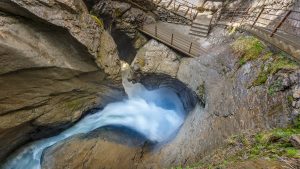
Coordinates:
50 55
122 19
71 16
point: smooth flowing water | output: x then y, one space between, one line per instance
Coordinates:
155 114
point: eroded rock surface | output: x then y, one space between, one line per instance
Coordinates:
39 102
27 44
48 75
122 19
70 16
109 147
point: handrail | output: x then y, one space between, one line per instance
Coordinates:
190 12
281 30
264 12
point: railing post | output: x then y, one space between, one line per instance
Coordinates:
155 30
187 11
178 8
191 47
172 38
196 15
262 10
280 23
169 4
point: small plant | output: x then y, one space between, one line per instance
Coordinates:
98 21
280 63
275 87
248 48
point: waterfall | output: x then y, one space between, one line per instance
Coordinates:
156 114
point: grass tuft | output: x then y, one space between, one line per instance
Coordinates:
248 48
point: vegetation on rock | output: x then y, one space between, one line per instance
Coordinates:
248 48
98 21
271 145
278 62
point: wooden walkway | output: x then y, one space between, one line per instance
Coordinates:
175 40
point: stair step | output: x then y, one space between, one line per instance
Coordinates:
200 24
199 30
198 34
200 27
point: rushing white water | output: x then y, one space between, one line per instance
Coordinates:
155 114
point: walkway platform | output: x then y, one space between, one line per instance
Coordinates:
175 40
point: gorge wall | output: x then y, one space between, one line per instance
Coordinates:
60 61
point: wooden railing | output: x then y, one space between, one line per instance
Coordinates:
175 40
278 22
190 10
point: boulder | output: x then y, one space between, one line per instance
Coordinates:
155 57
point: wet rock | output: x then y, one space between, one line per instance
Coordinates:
295 140
154 81
108 147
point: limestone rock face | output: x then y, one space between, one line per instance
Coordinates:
155 57
27 44
108 147
71 15
108 58
40 102
122 18
48 75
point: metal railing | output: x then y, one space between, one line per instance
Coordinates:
277 22
174 40
180 7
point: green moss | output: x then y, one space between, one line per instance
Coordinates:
248 48
283 63
292 152
290 99
261 79
201 92
267 56
275 87
280 63
73 104
98 21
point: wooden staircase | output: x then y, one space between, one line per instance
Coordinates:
201 25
